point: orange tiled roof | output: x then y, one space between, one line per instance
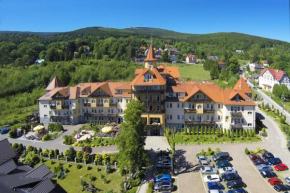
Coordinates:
171 70
150 55
242 86
157 78
54 83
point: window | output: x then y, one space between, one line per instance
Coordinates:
211 106
199 107
207 106
198 117
242 108
189 106
179 94
93 101
167 105
204 96
170 104
106 101
182 117
70 102
219 106
242 120
118 100
45 116
49 112
139 98
178 117
158 108
177 105
167 117
45 106
170 94
199 96
250 112
127 100
189 117
211 118
219 117
170 117
58 103
231 108
238 108
249 124
207 117
182 105
193 117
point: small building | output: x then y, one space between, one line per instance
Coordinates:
212 58
255 77
191 59
269 77
265 63
38 61
255 67
174 58
239 51
139 59
221 65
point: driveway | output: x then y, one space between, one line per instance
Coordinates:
57 143
189 179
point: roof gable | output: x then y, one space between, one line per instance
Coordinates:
6 151
150 55
140 79
242 85
54 83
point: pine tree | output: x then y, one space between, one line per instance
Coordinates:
251 133
237 133
244 133
190 130
248 134
229 133
213 130
193 130
185 131
222 131
241 132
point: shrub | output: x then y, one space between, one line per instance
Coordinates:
55 127
108 169
46 137
68 139
92 178
79 166
89 167
12 133
87 149
69 165
150 187
99 159
247 152
102 176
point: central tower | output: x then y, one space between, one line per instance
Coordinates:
150 61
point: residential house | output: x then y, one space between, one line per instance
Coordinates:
191 59
255 67
269 77
212 58
38 61
168 101
239 51
221 65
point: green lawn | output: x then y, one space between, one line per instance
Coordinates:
72 181
192 71
211 139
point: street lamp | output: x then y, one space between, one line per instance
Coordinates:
283 100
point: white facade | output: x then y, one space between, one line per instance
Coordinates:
267 81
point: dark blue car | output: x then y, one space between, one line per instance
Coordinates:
267 156
4 130
239 190
274 161
215 186
223 163
268 174
163 178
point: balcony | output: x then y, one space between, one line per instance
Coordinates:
153 101
153 111
236 114
52 106
189 110
63 117
99 104
199 100
87 104
236 126
208 110
113 104
199 122
65 106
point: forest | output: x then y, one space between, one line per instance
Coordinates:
100 54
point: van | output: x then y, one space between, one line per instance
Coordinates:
221 156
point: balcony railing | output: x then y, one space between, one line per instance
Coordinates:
199 122
208 110
153 111
113 104
236 114
87 104
153 101
60 117
65 106
52 106
99 104
190 110
236 126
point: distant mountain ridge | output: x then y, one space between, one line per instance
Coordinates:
139 31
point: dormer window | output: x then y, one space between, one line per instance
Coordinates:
237 98
150 67
148 77
85 92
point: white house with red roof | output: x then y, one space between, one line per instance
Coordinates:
191 59
269 77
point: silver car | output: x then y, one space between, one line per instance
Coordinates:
287 179
208 170
227 170
205 163
202 157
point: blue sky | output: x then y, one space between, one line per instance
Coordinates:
266 18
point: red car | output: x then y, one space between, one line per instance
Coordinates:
259 161
281 167
254 156
275 181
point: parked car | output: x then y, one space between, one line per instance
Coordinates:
268 174
281 187
259 161
267 156
254 156
239 190
4 131
212 178
163 157
216 191
281 167
215 186
274 161
163 186
221 156
227 170
264 167
202 157
223 163
230 176
208 170
275 181
205 163
287 179
164 163
163 178
236 184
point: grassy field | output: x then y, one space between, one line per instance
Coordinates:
72 182
192 72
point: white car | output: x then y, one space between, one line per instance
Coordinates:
216 191
208 170
227 170
212 178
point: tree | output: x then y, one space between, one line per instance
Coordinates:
165 57
214 71
71 153
131 141
79 155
